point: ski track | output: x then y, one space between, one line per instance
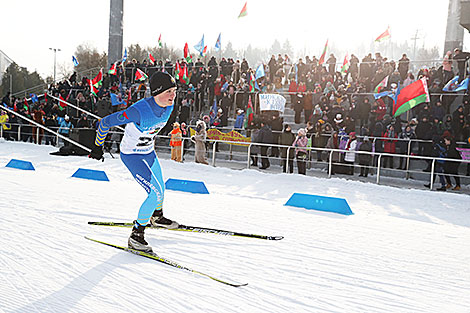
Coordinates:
403 250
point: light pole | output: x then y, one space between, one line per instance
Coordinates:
55 53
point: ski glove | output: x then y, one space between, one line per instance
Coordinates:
96 153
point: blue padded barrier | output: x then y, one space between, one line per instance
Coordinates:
319 203
186 186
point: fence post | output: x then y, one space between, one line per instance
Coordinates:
249 154
37 136
214 147
330 164
379 160
19 132
432 174
288 161
1 131
182 149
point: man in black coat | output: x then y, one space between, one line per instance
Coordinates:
265 136
461 58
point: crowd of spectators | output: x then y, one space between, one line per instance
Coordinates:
327 99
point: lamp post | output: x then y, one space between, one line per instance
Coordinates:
55 54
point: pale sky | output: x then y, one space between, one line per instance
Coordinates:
30 28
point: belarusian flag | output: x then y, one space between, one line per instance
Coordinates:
243 12
249 113
152 58
345 67
187 55
383 84
112 70
323 55
139 75
252 82
410 96
177 71
160 44
62 103
98 80
384 36
185 77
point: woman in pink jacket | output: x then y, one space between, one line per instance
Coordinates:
300 143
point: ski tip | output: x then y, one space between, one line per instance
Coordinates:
276 237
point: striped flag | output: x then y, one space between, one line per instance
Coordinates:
323 55
243 12
384 36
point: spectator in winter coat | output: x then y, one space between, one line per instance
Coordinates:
404 145
239 120
287 139
452 167
64 126
176 142
199 140
389 145
333 143
350 156
438 151
365 159
300 144
265 136
438 111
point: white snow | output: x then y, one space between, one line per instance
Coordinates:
403 250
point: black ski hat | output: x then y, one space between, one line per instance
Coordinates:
161 81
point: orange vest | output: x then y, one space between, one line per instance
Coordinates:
176 138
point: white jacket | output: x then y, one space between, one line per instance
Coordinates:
351 156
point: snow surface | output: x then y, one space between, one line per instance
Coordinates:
404 250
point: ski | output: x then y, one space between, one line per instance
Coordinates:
194 229
155 257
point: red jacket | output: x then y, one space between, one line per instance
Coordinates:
389 145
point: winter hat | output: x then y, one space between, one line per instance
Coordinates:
338 118
352 134
302 132
161 81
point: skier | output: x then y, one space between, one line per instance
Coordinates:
144 118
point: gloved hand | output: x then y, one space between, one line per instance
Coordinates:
96 153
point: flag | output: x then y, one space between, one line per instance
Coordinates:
98 80
115 100
62 103
345 67
140 75
323 55
187 55
260 71
151 58
204 51
453 85
249 113
178 72
382 85
25 105
185 75
252 82
75 61
410 96
243 12
200 46
213 112
218 43
384 36
160 44
124 58
34 98
93 89
112 69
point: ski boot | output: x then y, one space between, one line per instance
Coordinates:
136 239
158 220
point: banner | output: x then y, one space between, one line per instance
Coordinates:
216 134
464 153
272 102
